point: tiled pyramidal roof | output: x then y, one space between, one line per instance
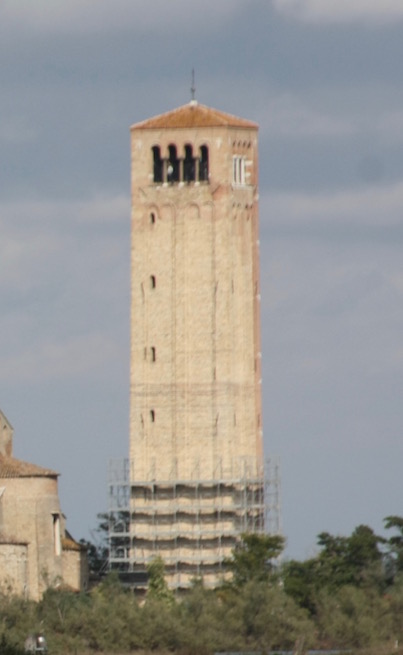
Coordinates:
16 468
194 115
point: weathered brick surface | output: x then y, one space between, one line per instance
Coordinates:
195 398
28 506
32 528
75 569
202 317
14 568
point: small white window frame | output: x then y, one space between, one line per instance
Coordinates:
57 537
239 170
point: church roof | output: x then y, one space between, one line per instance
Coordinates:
4 419
193 115
68 543
16 468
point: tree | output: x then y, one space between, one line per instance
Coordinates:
111 535
352 560
211 621
157 585
300 582
395 543
364 556
351 617
98 552
252 558
355 561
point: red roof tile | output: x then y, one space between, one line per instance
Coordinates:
16 468
193 115
70 544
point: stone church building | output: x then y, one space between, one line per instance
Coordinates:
36 551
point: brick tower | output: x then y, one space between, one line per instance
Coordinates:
196 462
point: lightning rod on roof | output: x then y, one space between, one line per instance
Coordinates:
193 88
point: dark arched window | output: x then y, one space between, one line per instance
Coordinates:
189 165
157 164
203 164
173 165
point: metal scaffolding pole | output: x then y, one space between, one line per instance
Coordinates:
192 524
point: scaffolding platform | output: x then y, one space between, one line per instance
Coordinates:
193 524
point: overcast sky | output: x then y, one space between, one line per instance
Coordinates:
323 79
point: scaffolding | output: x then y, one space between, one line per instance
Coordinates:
193 524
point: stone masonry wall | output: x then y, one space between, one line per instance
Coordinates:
14 569
195 352
29 507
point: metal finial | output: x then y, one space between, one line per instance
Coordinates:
193 88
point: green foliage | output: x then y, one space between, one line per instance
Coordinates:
157 586
114 621
353 618
7 648
161 625
300 582
272 620
211 620
260 617
350 560
394 597
253 558
356 561
17 617
395 543
111 532
97 556
338 599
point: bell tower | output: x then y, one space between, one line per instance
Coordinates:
196 461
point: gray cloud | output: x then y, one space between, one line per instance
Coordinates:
96 16
341 11
332 368
326 90
362 208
